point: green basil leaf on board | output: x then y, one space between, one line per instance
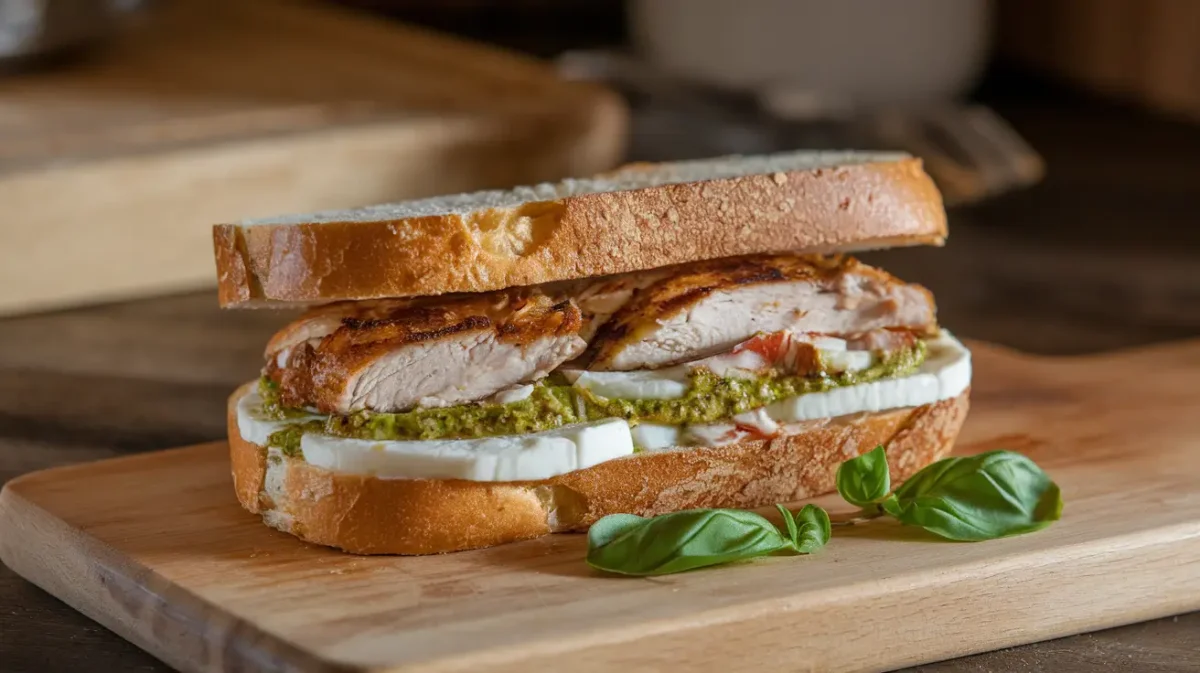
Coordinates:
814 529
789 522
603 531
864 481
981 497
681 541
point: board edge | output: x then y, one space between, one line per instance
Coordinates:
153 609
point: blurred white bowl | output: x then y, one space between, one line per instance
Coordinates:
856 52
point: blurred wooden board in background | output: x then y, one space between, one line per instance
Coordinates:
113 165
1146 51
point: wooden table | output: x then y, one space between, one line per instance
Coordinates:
1103 255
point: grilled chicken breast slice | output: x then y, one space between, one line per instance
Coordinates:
712 306
320 322
599 298
457 351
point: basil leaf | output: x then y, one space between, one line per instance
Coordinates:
790 522
864 481
981 497
814 529
679 541
603 531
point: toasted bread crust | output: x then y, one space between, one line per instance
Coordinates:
367 515
853 207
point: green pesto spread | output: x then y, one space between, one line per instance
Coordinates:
712 398
272 408
287 440
553 404
546 408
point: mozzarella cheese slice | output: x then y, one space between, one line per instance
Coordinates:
946 373
509 458
671 383
653 436
254 428
657 384
839 358
536 455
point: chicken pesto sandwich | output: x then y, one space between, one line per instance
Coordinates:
483 368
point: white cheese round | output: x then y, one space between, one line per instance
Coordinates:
513 457
658 384
945 373
652 436
253 427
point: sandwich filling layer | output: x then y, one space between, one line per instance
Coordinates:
943 374
529 382
702 392
397 355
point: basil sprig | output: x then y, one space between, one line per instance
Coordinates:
981 497
679 541
865 481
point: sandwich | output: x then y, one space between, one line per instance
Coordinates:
483 368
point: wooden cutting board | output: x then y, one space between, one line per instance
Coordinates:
113 166
155 548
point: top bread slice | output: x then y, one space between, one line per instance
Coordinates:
639 217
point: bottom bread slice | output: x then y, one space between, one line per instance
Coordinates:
369 515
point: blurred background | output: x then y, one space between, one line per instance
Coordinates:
1062 132
1065 135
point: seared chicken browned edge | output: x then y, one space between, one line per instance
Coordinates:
389 358
685 345
713 306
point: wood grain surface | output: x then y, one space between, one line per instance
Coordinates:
114 166
155 548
